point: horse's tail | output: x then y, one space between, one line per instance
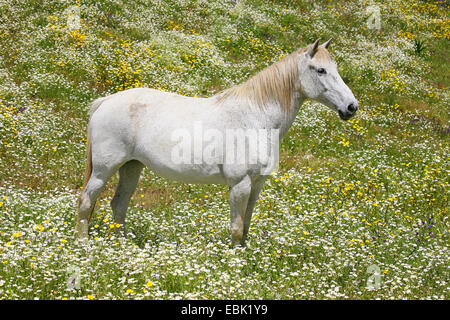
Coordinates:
94 105
88 170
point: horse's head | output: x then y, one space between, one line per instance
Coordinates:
320 80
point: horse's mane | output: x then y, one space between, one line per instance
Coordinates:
276 82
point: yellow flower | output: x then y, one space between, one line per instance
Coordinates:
90 297
149 284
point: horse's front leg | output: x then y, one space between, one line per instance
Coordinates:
257 186
239 195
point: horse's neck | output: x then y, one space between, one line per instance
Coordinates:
270 116
277 118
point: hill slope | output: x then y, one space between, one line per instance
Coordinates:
349 195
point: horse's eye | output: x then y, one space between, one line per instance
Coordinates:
321 71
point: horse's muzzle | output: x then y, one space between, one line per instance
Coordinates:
345 115
351 110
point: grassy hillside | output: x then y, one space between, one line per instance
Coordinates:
372 191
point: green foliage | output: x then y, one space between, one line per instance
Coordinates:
348 195
419 47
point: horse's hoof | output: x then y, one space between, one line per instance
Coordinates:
81 230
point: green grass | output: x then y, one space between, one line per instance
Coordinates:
372 191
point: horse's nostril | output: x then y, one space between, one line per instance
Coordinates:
352 108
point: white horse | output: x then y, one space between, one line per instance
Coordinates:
135 128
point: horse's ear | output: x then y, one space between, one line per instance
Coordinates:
313 48
326 44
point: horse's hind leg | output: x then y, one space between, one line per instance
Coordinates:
87 200
129 177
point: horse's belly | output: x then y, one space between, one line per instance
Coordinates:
188 173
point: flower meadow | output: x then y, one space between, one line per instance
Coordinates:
357 209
